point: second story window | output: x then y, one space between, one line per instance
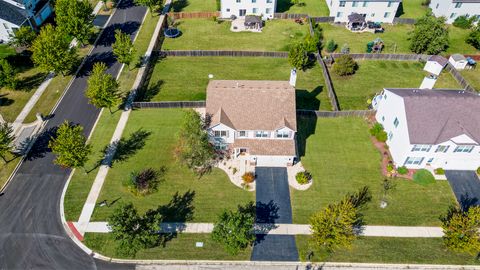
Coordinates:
220 133
238 1
242 133
442 148
396 122
283 134
269 1
342 3
365 3
421 148
254 1
386 15
463 149
261 134
390 4
354 4
458 5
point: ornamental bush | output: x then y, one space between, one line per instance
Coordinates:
402 170
146 181
423 177
390 167
303 178
331 46
440 171
345 65
464 22
248 177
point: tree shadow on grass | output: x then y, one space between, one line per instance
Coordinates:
5 101
284 5
306 125
32 82
179 5
150 92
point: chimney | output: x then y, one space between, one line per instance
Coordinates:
293 77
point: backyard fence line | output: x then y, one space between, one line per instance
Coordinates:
193 15
328 82
459 78
225 53
323 19
332 114
404 20
290 16
169 104
386 56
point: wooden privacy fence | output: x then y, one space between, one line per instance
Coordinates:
170 104
459 78
323 19
328 82
404 20
386 56
331 114
226 53
289 16
193 15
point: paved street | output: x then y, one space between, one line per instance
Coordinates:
31 232
465 186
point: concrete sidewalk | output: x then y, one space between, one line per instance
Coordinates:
286 229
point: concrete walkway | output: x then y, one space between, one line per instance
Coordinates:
286 229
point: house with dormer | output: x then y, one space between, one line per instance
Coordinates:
253 120
431 128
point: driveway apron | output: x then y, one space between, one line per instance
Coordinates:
273 206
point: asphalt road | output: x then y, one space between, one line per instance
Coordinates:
31 231
465 186
273 206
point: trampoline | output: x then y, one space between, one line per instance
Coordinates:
172 33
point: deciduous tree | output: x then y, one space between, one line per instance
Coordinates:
123 47
6 140
474 37
430 35
70 146
460 228
234 230
102 89
75 18
153 5
52 52
23 37
8 74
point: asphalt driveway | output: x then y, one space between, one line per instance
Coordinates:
273 206
465 186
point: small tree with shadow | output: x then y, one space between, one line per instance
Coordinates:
336 225
331 46
102 89
234 229
123 47
6 140
298 56
474 37
23 37
460 228
70 146
8 75
146 181
345 65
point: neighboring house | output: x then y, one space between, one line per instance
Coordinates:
458 61
373 10
240 8
254 120
436 128
17 13
452 9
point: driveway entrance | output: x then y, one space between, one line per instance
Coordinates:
273 206
466 186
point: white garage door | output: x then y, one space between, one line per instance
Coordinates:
271 161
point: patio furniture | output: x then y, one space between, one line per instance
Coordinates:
253 22
356 22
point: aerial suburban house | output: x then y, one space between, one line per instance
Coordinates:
253 120
17 13
372 10
436 128
241 8
452 9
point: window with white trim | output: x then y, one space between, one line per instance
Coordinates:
342 3
261 134
386 15
283 134
463 149
254 10
242 133
453 15
390 135
389 4
220 133
269 1
339 14
396 122
421 148
458 5
268 11
442 148
365 3
354 3
414 161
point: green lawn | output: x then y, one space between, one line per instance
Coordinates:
180 248
193 5
203 194
473 77
411 9
6 50
341 158
314 8
186 78
205 34
7 169
395 39
372 76
391 250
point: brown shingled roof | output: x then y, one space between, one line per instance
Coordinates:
252 105
267 147
436 116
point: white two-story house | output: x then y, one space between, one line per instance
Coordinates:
373 10
241 8
452 9
253 120
437 128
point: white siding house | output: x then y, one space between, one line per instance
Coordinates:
240 8
451 9
254 121
373 10
436 128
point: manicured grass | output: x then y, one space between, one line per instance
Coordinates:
314 8
7 169
372 76
412 9
423 177
186 78
395 39
158 151
391 250
193 5
342 158
205 34
473 77
180 248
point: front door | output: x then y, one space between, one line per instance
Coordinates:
242 12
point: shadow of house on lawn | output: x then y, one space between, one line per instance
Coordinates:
400 10
307 100
306 126
284 5
179 5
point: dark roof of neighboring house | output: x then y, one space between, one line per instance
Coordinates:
356 18
439 59
252 105
12 14
458 57
436 116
